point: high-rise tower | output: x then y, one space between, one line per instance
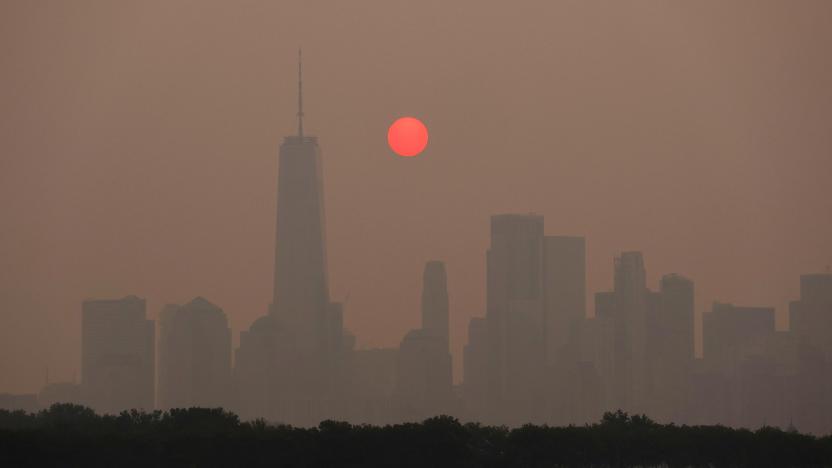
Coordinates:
631 297
117 355
301 292
810 318
435 300
514 311
194 367
290 364
564 292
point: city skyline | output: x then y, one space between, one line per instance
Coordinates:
535 355
65 225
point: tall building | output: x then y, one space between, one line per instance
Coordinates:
194 356
810 321
605 305
117 355
651 336
810 318
597 343
677 293
288 363
435 300
565 291
731 333
670 349
262 363
515 313
816 288
372 377
301 290
423 376
631 302
475 367
424 385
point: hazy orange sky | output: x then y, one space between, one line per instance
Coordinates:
138 151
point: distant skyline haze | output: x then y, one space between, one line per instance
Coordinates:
139 153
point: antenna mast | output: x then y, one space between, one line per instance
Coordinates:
300 95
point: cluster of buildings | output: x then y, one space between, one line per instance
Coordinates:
536 355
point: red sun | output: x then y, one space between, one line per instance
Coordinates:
407 137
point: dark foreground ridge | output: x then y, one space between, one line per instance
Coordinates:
71 435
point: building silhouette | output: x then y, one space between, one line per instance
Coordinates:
435 301
423 376
301 291
810 321
372 377
475 368
670 347
598 344
630 335
534 357
677 320
515 315
564 292
194 356
523 360
570 383
424 382
739 373
730 333
117 355
597 347
290 362
810 317
260 362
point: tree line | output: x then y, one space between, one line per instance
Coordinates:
72 435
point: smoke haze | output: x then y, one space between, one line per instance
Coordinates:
138 152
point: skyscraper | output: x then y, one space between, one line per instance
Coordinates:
631 297
435 300
730 333
423 376
288 362
475 367
194 356
514 311
810 321
301 290
677 295
372 381
605 305
423 368
670 350
262 367
117 355
810 318
596 347
565 291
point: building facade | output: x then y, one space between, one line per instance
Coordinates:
194 356
117 355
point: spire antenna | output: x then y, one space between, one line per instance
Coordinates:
300 94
